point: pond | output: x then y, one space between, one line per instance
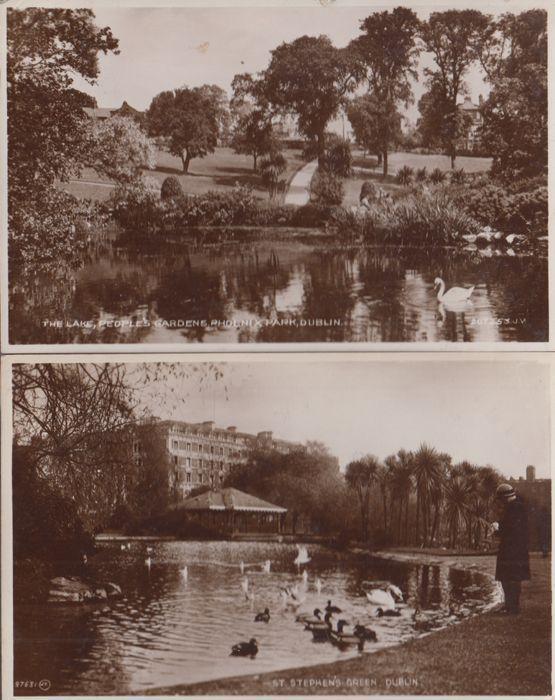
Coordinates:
276 287
169 630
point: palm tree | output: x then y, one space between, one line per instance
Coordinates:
437 490
427 474
400 484
360 475
383 477
271 167
456 499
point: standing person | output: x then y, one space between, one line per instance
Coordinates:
513 565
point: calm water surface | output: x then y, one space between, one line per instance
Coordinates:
167 630
277 288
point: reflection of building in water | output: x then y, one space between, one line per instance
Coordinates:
202 454
537 494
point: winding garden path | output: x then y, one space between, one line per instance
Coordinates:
299 187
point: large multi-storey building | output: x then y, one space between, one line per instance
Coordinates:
537 494
202 454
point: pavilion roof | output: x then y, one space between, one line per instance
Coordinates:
231 499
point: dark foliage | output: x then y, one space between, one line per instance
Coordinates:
171 188
327 188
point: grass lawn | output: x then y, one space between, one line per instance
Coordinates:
489 654
220 170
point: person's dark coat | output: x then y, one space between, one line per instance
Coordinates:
512 556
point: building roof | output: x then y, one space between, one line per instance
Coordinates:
99 112
468 105
230 499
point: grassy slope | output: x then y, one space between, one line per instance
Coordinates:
489 654
220 170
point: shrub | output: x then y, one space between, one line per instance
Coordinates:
338 158
421 174
405 175
136 206
437 176
368 191
458 176
171 188
327 188
271 167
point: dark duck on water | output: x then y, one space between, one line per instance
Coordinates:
320 630
365 633
333 609
346 640
249 648
263 616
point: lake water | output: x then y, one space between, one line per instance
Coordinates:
278 286
167 630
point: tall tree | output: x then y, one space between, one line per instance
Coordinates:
451 37
360 475
47 49
253 135
188 121
310 78
374 124
513 55
388 52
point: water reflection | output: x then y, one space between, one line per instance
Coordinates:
168 630
277 290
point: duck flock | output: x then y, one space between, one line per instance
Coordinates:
329 624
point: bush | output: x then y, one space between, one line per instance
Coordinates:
405 175
171 188
457 176
338 158
437 176
271 167
327 188
368 191
136 206
496 206
421 174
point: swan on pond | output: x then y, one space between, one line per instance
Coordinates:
318 585
302 556
455 295
381 598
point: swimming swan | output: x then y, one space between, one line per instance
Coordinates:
455 295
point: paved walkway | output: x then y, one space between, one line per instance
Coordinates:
299 187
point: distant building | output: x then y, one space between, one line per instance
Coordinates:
537 494
103 113
473 111
202 454
234 513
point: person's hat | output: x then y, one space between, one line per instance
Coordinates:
504 491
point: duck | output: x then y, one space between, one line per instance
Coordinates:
420 623
344 640
333 609
388 612
123 547
321 630
305 578
307 617
263 616
249 648
454 295
302 555
365 633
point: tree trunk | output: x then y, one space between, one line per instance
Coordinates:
380 159
321 147
453 155
385 163
255 164
185 159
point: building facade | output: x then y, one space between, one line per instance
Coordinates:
537 495
472 139
202 454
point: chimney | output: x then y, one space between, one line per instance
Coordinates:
232 429
530 473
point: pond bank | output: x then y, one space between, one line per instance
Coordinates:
488 654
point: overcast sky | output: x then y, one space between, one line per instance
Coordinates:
168 47
488 412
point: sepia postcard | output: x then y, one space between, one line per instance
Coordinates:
316 174
363 524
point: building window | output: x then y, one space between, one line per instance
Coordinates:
175 444
175 459
189 446
188 477
188 461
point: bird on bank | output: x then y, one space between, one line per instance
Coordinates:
263 616
455 295
249 648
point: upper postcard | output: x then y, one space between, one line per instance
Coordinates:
326 175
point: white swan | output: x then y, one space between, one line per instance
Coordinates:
302 556
318 586
454 295
249 594
148 562
305 578
381 598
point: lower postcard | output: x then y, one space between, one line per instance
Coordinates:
300 524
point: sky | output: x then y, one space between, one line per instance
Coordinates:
169 47
488 412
